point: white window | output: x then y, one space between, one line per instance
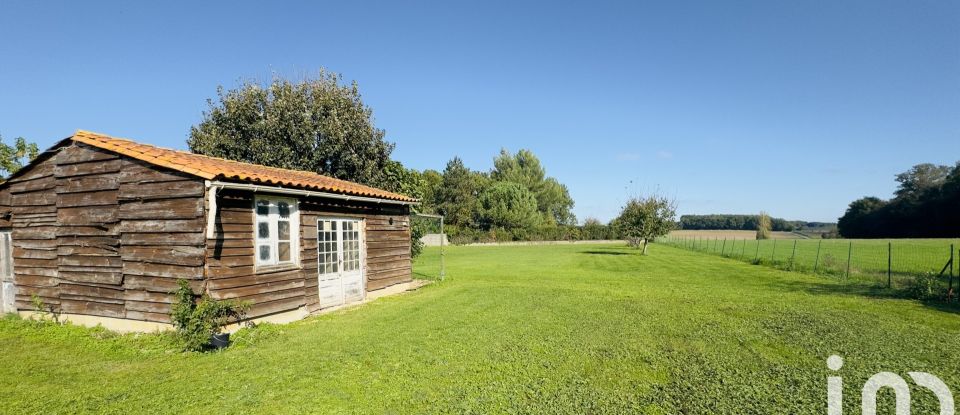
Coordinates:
277 231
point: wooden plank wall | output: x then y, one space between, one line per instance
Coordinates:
230 262
103 235
162 236
98 234
230 254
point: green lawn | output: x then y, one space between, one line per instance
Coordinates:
520 329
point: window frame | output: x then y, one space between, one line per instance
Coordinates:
273 220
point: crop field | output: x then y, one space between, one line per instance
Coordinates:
560 329
868 258
729 234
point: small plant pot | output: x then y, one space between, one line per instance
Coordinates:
220 340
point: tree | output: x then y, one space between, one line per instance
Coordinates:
13 158
594 229
763 226
919 179
646 218
553 199
432 180
457 194
318 125
862 218
507 205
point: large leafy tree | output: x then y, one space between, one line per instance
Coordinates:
922 207
862 218
920 179
507 205
553 198
431 180
319 124
458 191
645 218
14 157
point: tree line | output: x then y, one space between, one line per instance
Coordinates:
736 222
924 206
321 124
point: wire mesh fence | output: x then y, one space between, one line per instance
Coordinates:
892 263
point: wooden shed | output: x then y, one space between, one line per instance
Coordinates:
101 228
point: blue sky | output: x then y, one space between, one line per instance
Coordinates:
796 108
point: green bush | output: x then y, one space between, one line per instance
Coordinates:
923 286
417 230
197 320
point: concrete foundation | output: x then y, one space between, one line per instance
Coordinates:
121 325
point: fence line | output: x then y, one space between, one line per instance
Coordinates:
890 263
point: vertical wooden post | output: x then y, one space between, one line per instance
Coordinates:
794 254
757 257
849 254
773 254
816 262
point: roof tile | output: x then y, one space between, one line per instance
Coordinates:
212 168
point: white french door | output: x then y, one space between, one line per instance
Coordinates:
339 260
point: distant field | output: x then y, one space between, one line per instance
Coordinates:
868 258
729 234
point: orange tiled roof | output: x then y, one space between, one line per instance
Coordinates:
213 168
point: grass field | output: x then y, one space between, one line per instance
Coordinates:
721 234
522 329
868 257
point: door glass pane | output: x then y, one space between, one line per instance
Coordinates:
263 208
283 251
263 230
284 209
283 230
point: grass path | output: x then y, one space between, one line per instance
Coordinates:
520 329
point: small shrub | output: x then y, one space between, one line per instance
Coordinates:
43 311
197 320
923 286
417 230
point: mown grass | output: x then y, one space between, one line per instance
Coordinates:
520 329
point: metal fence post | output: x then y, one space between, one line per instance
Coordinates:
757 257
890 264
774 253
950 284
849 254
723 247
951 269
743 249
816 262
443 236
794 254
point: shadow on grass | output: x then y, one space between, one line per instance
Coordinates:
605 253
425 276
863 289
